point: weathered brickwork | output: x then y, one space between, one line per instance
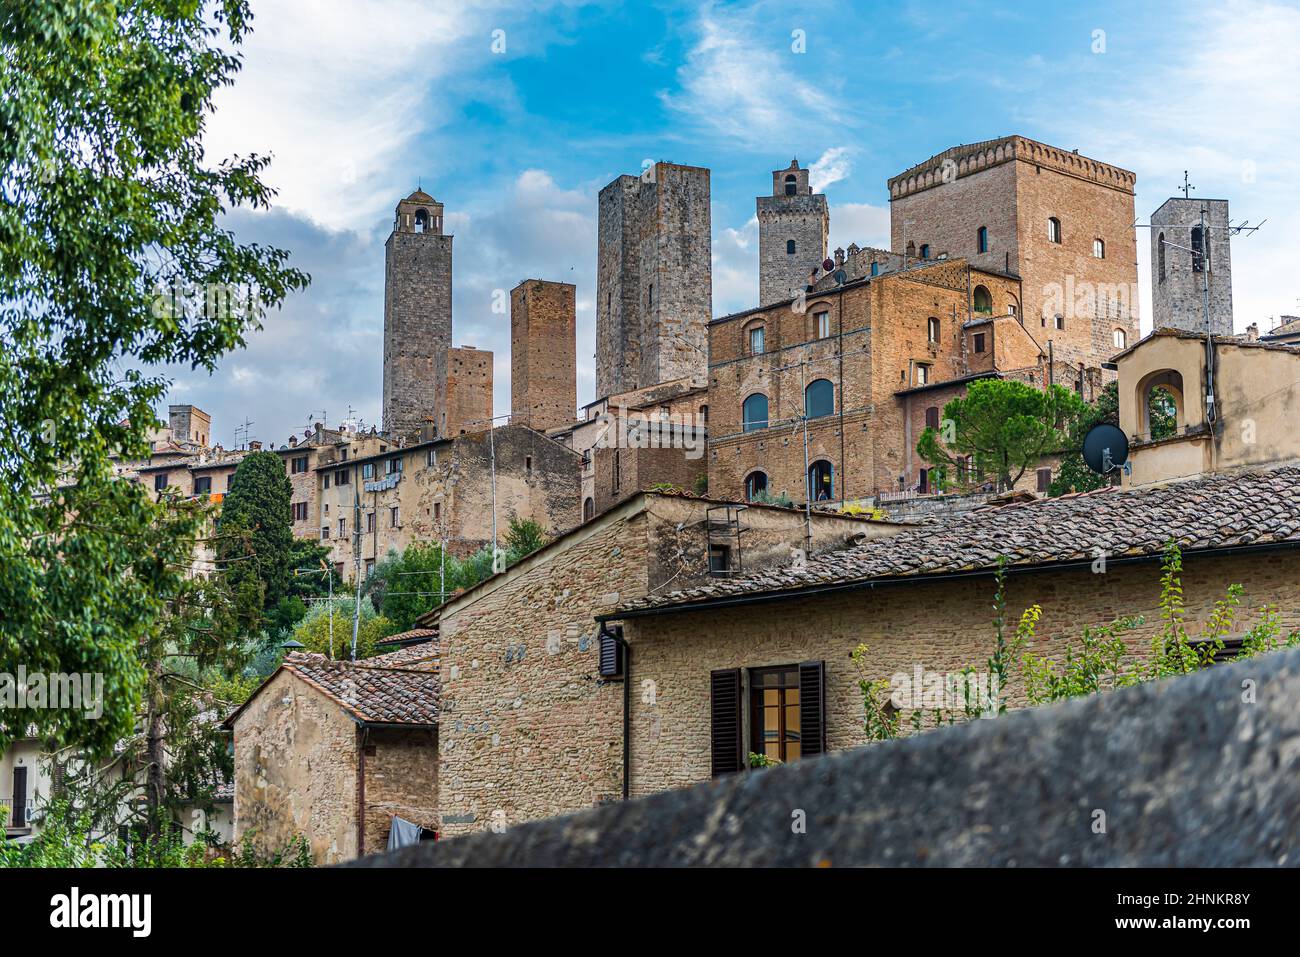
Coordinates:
417 311
543 359
401 779
792 214
463 391
1013 187
1177 282
654 286
942 627
529 729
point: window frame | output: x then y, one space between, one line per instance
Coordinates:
1054 232
755 425
788 675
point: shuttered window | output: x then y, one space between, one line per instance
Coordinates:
728 756
812 707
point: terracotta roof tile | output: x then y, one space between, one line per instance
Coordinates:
372 693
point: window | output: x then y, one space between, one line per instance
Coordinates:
932 329
756 340
821 325
755 485
343 527
392 465
1098 249
979 342
300 511
1012 309
203 485
787 714
774 713
324 532
791 185
719 559
395 517
230 480
298 464
875 269
753 412
819 399
821 481
618 470
1053 230
160 482
1120 338
344 454
326 480
342 477
1060 322
1160 255
982 239
370 522
437 511
370 567
704 415
983 300
932 417
789 247
368 470
431 458
1044 479
650 294
1200 250
925 250
588 509
922 374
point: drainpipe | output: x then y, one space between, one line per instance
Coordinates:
616 633
363 736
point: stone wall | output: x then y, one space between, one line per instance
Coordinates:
463 391
802 217
401 779
1178 293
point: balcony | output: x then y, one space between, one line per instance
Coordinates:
17 816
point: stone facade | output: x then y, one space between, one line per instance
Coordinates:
1015 189
543 358
463 391
654 278
529 728
1178 281
793 214
417 311
189 425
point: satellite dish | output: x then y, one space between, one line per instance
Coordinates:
840 276
1105 448
828 265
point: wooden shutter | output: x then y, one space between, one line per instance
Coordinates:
812 708
728 750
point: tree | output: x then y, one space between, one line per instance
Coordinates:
523 537
1074 474
1004 426
259 503
314 630
112 262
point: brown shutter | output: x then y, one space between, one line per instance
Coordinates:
728 753
812 708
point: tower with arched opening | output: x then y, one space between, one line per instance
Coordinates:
1185 259
793 226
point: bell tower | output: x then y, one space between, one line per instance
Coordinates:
793 225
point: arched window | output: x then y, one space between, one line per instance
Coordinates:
704 415
791 185
983 300
1120 338
1098 249
821 481
789 247
754 337
1160 404
821 324
1160 255
1200 249
819 399
755 485
925 250
421 220
1053 230
754 412
588 510
982 239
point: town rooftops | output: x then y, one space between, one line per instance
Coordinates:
1247 510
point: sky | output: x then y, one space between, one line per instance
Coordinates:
514 115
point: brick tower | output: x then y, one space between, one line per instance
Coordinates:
543 361
654 279
417 311
793 224
1179 276
462 388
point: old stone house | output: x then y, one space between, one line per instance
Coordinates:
331 751
530 726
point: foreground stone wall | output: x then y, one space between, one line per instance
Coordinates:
1110 781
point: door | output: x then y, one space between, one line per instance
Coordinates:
19 816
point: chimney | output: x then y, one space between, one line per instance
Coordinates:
1252 332
255 445
839 257
293 441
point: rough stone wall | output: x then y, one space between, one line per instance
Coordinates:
803 218
941 627
1178 296
296 772
463 391
654 287
543 358
620 473
417 322
401 779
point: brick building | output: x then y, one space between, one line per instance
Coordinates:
654 278
793 226
543 357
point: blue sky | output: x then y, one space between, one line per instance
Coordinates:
358 102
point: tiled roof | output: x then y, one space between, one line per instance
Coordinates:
417 657
370 693
1219 511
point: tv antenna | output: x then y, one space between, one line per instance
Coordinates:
1187 187
243 429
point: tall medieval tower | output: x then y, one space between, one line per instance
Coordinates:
793 225
654 279
543 362
1185 260
417 312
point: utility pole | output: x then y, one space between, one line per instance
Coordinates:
356 559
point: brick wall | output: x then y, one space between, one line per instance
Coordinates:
463 391
401 779
543 362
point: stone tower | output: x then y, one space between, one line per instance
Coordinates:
1179 276
654 279
793 225
417 311
462 387
543 361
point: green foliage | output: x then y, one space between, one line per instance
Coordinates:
256 526
880 717
1004 427
523 537
757 760
768 498
314 630
110 207
1162 413
701 486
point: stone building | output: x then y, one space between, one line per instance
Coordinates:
442 490
1187 258
761 663
793 225
543 356
872 362
331 751
530 727
1060 222
417 311
463 391
654 278
188 425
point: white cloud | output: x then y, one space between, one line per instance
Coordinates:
859 223
830 168
735 268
